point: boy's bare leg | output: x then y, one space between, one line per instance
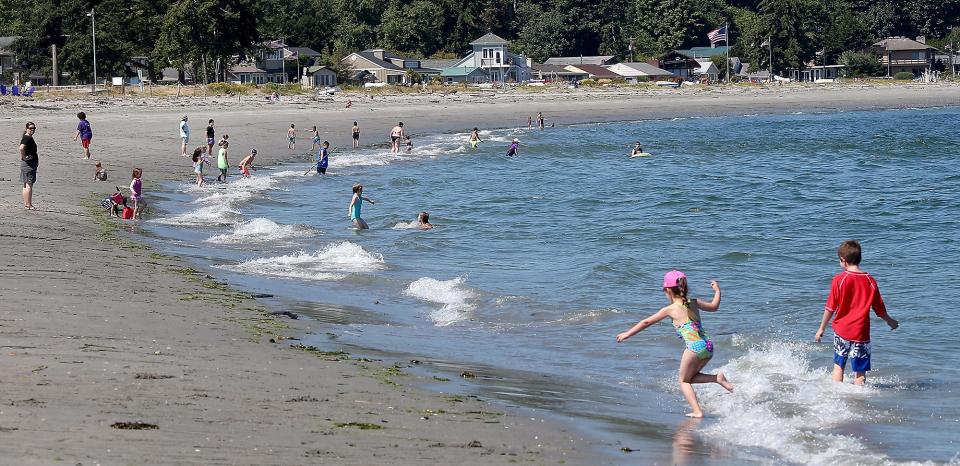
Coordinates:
860 378
837 373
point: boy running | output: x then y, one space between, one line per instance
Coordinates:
85 133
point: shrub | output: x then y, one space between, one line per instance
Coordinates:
860 64
230 88
588 82
903 76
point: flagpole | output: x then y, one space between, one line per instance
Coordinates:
727 40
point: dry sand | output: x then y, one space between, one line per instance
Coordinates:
96 328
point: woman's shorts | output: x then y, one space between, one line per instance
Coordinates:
28 175
210 141
858 352
185 139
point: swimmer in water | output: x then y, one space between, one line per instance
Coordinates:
423 219
637 149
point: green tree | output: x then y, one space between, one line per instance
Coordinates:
860 64
670 24
794 27
416 27
542 33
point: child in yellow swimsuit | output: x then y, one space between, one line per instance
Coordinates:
685 313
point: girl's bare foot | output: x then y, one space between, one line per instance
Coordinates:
697 414
722 380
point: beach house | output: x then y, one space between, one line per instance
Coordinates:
556 73
464 74
708 70
637 72
599 60
678 63
899 54
594 71
318 76
389 68
492 54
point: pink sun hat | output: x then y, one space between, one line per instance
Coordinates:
671 278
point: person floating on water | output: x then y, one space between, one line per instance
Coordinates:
247 163
356 203
637 149
475 138
685 313
423 220
852 293
514 148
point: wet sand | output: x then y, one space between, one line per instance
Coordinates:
100 332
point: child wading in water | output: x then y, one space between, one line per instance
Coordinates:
356 202
316 138
685 313
136 193
222 162
198 161
247 163
852 293
474 137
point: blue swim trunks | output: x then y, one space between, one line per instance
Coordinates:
858 352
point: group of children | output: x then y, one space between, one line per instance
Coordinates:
117 203
853 293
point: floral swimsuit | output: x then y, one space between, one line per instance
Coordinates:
696 339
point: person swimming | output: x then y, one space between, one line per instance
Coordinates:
423 220
637 149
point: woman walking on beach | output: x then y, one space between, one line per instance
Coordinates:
29 161
356 135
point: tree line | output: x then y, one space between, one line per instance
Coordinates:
204 36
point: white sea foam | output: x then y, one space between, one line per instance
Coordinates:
259 230
333 262
781 404
406 225
453 295
218 214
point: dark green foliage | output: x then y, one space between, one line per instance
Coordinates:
860 64
903 76
207 34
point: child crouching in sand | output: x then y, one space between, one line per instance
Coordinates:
685 313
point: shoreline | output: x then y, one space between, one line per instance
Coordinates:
98 331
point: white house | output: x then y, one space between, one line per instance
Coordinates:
635 72
492 54
708 68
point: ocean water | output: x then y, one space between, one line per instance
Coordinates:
538 261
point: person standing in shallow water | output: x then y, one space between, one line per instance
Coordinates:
685 314
540 121
29 161
356 135
356 203
396 134
184 135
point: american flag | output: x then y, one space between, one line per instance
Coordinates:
717 35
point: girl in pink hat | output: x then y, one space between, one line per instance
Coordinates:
685 313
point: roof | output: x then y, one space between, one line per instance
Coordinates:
646 69
489 39
545 68
369 56
460 71
438 64
595 71
901 43
303 51
245 68
707 66
316 68
581 60
704 52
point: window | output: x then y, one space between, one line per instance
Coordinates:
486 53
498 60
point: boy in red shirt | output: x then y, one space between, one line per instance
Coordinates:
852 293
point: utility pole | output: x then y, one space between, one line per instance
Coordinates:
93 31
56 72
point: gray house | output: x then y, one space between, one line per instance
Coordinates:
492 54
6 53
318 76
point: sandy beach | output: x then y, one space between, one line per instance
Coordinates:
115 354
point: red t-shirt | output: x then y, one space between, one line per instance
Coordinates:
852 294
